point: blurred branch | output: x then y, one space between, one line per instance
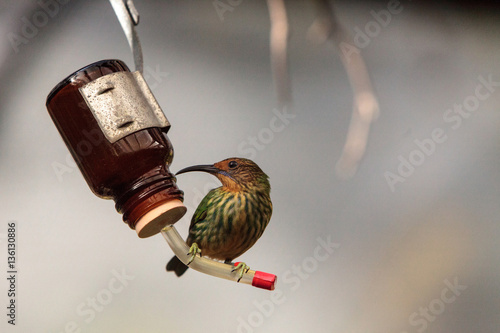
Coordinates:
365 105
278 45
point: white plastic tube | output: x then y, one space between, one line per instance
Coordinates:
215 268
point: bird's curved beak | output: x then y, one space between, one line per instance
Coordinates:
205 168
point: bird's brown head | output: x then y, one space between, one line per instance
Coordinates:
235 174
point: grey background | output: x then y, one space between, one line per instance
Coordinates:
399 250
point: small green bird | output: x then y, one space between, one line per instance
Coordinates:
231 218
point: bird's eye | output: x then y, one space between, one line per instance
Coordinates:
233 164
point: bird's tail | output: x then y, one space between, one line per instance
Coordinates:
177 266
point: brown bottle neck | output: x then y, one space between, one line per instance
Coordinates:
147 192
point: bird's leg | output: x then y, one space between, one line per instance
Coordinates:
242 267
193 251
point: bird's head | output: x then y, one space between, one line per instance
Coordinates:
235 174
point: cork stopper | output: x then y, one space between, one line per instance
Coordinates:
158 218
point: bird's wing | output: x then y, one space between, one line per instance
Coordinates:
199 215
201 212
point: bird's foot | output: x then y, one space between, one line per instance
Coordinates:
193 251
242 267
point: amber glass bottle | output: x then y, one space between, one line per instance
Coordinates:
132 169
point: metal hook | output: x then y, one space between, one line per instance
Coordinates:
129 17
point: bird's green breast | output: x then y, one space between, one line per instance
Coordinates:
227 223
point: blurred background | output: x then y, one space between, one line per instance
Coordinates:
409 244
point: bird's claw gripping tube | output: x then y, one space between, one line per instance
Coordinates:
257 279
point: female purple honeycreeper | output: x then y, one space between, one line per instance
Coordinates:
231 218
